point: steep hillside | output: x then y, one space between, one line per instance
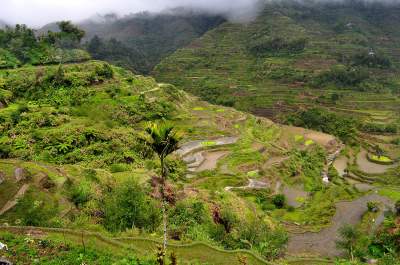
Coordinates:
139 41
341 57
73 157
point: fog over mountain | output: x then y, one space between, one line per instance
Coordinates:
39 12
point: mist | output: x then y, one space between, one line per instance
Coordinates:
37 13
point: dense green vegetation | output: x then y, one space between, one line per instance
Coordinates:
91 147
24 250
20 46
89 119
329 122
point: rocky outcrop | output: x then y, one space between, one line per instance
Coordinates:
20 174
45 182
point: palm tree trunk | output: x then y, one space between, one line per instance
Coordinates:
164 205
164 210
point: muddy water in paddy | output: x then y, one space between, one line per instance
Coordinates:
369 167
293 194
340 165
211 160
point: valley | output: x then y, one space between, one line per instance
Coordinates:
274 141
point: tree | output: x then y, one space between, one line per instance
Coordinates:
95 47
163 140
349 236
67 28
68 37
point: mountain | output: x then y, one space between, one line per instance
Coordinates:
341 57
140 41
84 175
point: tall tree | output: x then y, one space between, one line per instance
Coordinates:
163 140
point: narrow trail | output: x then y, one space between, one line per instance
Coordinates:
347 212
11 203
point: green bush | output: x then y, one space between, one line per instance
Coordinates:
127 206
342 76
80 193
275 45
115 168
35 209
279 201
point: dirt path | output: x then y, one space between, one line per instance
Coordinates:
323 242
11 203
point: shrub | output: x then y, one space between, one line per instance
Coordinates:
127 206
105 71
34 210
116 168
279 201
372 207
342 76
276 44
80 193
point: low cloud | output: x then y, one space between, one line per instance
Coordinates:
39 12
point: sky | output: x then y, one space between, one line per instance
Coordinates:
40 12
37 13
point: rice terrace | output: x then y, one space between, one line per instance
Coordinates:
200 132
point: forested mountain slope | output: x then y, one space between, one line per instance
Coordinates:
140 41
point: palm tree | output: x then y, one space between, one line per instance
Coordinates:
163 140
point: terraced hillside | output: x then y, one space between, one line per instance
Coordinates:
73 156
342 57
